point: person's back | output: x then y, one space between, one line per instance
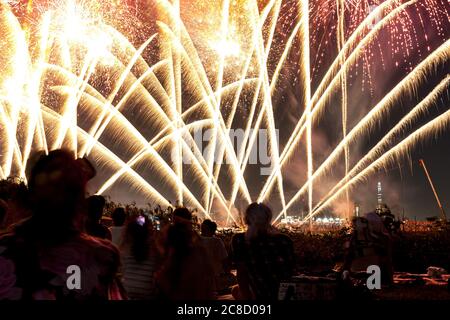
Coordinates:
117 230
262 258
217 252
185 273
195 281
139 261
99 230
267 259
138 277
213 245
39 271
377 250
95 207
377 229
117 235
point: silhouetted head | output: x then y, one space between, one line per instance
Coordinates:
258 217
177 245
182 215
119 216
57 184
95 206
179 239
13 189
208 228
138 237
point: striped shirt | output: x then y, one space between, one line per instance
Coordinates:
139 277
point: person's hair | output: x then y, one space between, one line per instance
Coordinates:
258 217
57 186
13 189
138 239
178 245
95 206
119 216
210 225
183 213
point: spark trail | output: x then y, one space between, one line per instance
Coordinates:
132 91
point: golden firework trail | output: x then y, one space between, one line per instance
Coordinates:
132 92
436 125
330 82
407 85
387 140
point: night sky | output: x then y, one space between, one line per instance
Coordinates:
405 187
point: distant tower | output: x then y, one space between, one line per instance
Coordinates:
357 210
379 194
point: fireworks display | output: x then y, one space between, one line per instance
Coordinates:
130 83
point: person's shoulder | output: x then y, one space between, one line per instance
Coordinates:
98 245
14 234
238 238
372 216
6 237
104 252
218 240
217 243
282 238
213 239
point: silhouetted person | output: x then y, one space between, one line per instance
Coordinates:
185 273
182 215
216 250
37 254
208 228
119 217
139 260
94 226
263 257
371 244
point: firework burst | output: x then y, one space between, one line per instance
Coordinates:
129 84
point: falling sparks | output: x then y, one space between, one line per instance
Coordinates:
78 75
